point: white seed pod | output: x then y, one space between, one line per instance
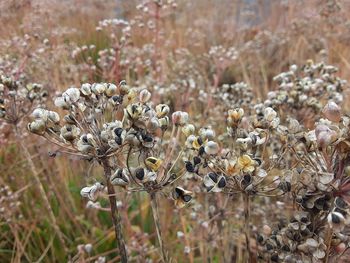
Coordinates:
85 89
88 248
54 117
153 124
164 122
336 220
98 88
120 178
71 95
69 132
324 135
61 103
244 143
332 111
40 113
133 111
189 141
188 129
211 148
206 134
111 90
270 114
37 126
86 143
132 138
179 118
144 96
92 192
162 110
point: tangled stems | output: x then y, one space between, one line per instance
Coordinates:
41 189
116 218
155 212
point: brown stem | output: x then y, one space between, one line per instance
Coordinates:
154 206
116 218
47 204
329 241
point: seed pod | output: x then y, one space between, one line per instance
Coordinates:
140 173
37 127
111 90
181 196
332 111
39 113
189 167
98 88
188 129
69 132
85 89
211 148
145 96
336 220
179 118
164 122
120 178
162 110
214 182
54 117
133 111
153 163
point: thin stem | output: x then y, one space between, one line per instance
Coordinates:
116 218
329 240
246 226
154 206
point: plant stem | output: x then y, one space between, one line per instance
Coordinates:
116 218
40 186
154 206
329 241
246 226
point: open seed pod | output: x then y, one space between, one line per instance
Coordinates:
181 196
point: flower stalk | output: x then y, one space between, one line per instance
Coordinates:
116 218
155 213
